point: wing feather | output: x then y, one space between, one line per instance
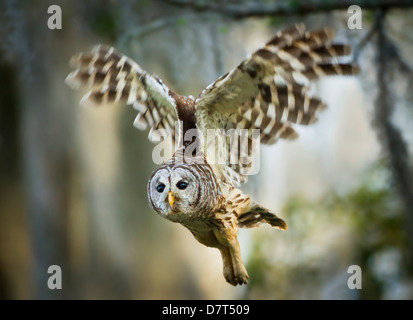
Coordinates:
112 77
269 92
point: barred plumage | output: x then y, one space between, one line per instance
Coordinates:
266 95
275 84
113 78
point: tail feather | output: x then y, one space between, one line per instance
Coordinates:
251 214
258 215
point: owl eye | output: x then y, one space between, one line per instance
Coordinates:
160 187
182 185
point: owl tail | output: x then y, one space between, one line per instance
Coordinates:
251 214
257 215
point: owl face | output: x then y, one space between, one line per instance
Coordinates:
173 192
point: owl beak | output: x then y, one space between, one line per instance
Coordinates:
171 198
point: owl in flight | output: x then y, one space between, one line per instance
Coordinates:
267 93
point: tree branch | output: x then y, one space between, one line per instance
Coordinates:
389 135
144 30
238 11
363 42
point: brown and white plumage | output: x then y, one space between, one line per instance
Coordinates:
112 78
269 90
267 93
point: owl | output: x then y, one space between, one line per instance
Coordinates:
260 101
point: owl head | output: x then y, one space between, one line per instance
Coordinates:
174 191
180 190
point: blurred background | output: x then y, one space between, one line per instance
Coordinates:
73 179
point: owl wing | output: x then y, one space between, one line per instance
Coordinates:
268 91
112 77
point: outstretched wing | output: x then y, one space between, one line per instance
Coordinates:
111 77
269 91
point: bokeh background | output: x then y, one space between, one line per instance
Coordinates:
73 179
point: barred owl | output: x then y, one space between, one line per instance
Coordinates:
268 92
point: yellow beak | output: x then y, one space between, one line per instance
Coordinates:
171 198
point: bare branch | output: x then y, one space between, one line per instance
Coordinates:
238 11
149 28
363 42
389 135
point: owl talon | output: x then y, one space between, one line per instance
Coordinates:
230 278
236 280
242 279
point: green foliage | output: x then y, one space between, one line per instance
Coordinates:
257 264
275 21
181 22
294 3
325 237
104 22
223 29
368 16
144 3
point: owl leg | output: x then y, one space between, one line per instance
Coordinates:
240 272
228 238
211 240
227 266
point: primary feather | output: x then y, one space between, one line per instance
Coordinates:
112 77
269 90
